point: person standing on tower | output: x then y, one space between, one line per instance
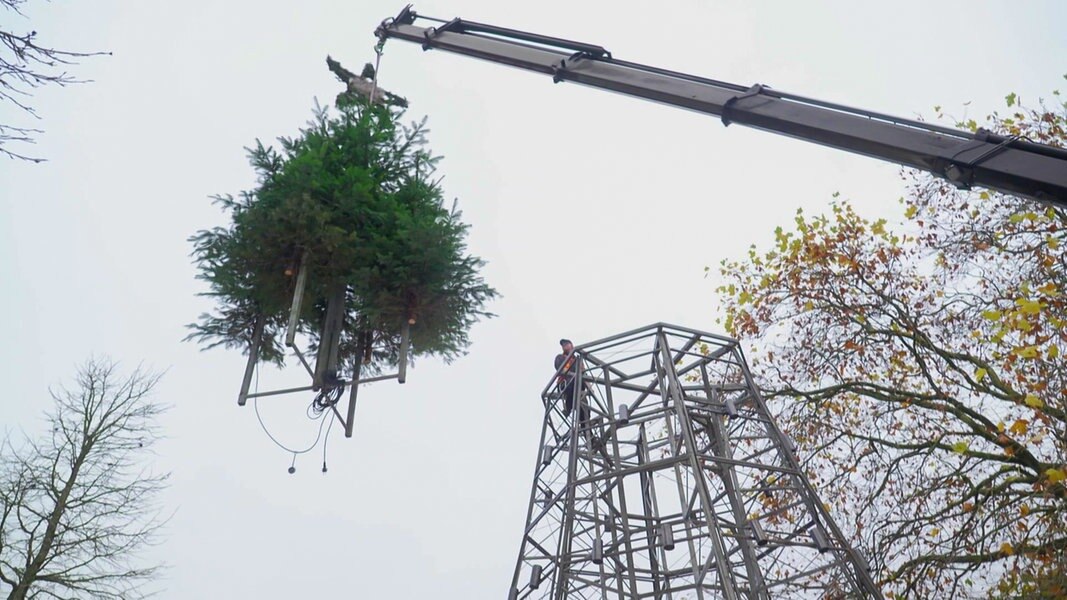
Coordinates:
566 364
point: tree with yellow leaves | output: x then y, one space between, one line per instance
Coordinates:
919 368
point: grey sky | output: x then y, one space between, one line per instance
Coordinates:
428 500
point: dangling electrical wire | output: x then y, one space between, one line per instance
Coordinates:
328 396
326 444
314 415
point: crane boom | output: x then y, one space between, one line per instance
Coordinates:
982 158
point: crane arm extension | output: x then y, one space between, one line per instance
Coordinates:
966 159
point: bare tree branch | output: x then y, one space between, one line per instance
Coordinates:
77 505
26 65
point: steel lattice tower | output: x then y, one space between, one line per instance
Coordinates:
676 484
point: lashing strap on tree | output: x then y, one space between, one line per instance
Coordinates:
379 48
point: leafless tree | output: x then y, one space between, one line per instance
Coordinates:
26 65
78 503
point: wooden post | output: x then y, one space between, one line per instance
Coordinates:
298 298
253 358
405 341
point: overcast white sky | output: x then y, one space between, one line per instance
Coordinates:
597 213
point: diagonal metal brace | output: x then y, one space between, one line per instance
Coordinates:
456 25
961 174
559 70
728 106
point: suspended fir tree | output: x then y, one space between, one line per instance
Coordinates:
351 199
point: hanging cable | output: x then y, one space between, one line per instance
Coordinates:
326 444
312 414
311 447
328 396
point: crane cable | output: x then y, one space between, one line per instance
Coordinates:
379 48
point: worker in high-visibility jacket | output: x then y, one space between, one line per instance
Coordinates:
567 364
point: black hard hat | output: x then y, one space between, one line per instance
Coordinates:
564 342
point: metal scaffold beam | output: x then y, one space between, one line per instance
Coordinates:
665 476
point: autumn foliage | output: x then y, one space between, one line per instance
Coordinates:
920 368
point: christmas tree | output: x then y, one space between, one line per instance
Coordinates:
352 200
